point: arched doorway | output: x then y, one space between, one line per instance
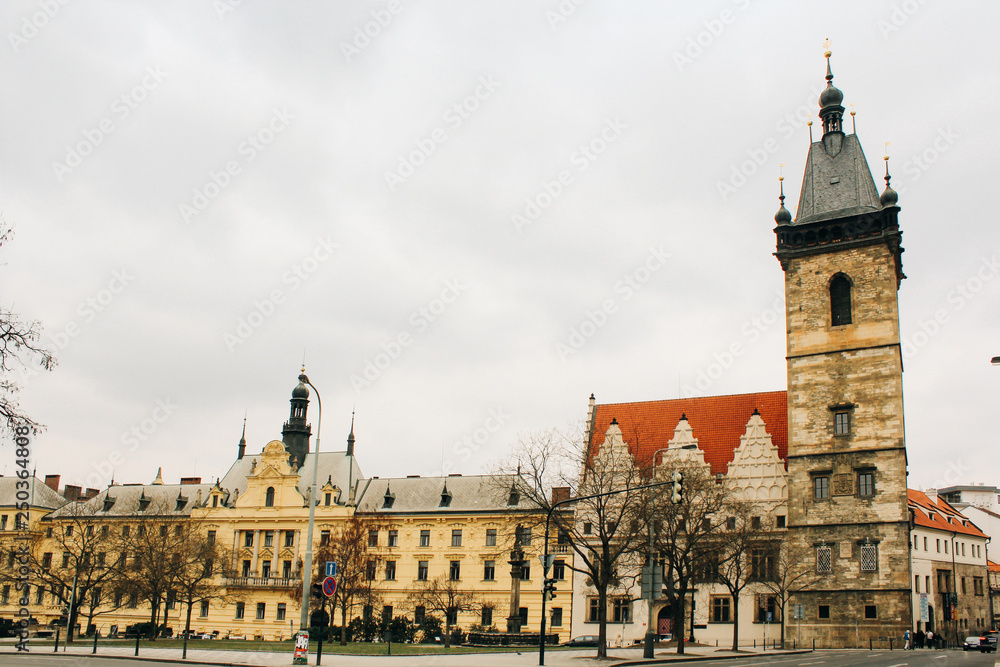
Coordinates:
664 621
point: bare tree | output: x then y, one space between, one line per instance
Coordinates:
788 577
75 555
603 527
20 350
357 564
684 532
740 556
196 576
152 558
444 596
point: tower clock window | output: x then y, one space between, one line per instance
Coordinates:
840 300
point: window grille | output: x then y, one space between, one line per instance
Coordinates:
824 559
869 558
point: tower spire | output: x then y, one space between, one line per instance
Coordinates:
243 439
350 438
830 100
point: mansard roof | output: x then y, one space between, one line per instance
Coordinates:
940 515
138 500
39 495
473 493
717 422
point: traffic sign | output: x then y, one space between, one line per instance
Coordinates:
331 568
329 587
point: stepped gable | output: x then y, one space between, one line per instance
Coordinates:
718 423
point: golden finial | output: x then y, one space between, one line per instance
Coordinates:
886 157
826 48
810 125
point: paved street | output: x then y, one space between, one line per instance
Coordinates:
525 659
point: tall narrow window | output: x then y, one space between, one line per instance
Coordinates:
840 300
269 497
824 558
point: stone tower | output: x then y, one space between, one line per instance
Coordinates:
295 433
847 506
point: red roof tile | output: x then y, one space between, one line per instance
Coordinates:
717 422
923 508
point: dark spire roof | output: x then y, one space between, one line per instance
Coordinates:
350 438
889 196
782 217
837 181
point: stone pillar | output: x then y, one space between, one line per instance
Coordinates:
516 563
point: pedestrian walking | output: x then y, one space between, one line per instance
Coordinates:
930 639
906 640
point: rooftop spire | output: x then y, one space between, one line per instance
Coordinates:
830 100
782 217
350 438
243 439
889 196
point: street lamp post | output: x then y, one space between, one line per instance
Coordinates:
307 563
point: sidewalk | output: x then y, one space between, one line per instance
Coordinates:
528 658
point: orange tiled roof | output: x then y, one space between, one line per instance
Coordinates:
716 421
923 507
993 567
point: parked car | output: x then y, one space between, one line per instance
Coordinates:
971 643
988 642
583 640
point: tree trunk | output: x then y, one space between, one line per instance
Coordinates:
736 620
154 605
71 622
187 629
602 618
678 628
447 630
343 623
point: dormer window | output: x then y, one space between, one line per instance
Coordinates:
514 499
143 502
181 503
445 497
109 502
840 300
388 499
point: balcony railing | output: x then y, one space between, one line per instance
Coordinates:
560 548
263 582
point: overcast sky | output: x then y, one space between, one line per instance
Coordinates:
466 217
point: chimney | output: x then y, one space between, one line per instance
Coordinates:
52 481
931 495
72 492
91 493
559 494
190 480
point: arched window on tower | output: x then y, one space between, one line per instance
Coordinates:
840 300
269 497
